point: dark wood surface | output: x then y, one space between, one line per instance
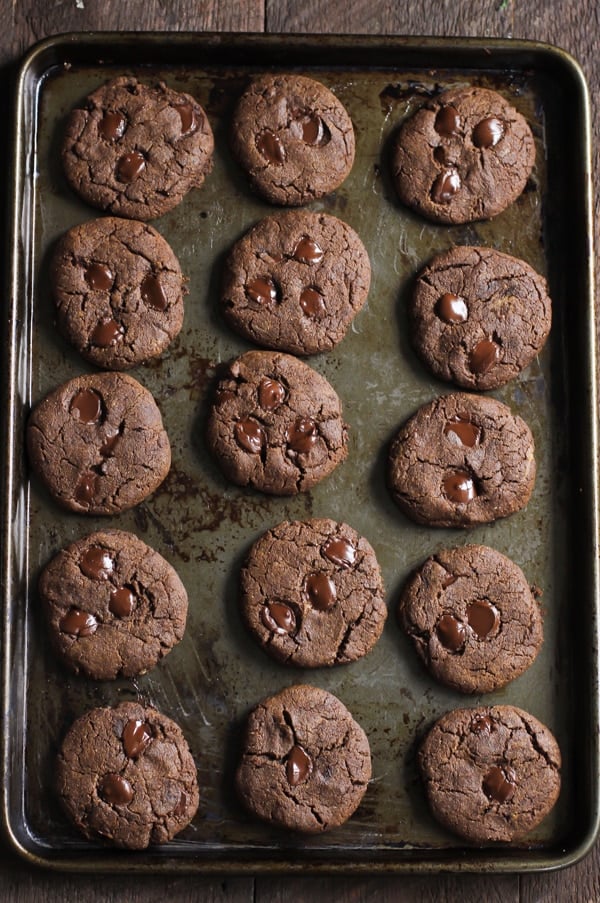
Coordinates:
571 24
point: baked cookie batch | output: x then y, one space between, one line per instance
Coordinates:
311 592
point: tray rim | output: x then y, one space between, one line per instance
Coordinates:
430 861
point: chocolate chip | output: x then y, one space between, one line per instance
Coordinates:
462 431
459 487
321 591
451 632
78 623
86 406
152 292
112 126
116 790
250 435
447 122
312 303
270 146
122 602
136 737
262 291
482 617
298 766
271 394
340 551
488 132
308 251
279 617
500 784
99 277
484 356
452 308
302 435
96 563
445 187
130 166
106 333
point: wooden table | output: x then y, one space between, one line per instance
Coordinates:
571 24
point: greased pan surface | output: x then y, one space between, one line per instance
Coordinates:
204 526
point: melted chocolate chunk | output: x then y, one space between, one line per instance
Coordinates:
482 618
500 784
312 303
302 436
136 737
188 118
130 166
108 446
152 292
447 122
96 563
112 126
86 487
340 552
452 308
451 632
106 333
99 277
459 486
321 591
78 623
262 291
86 406
122 602
488 132
250 435
483 356
269 145
298 766
314 130
271 394
308 251
116 790
278 617
482 724
463 432
445 187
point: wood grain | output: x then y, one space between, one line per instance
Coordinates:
572 24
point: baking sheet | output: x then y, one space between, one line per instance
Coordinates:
204 526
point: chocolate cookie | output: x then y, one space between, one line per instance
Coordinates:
305 762
118 289
114 606
136 150
464 155
127 775
296 281
490 773
98 443
276 424
472 618
293 138
462 460
479 317
312 593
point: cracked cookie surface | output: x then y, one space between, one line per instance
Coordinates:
305 762
118 290
490 773
464 155
136 150
472 617
462 460
98 443
276 424
113 605
126 775
478 317
312 593
296 281
293 138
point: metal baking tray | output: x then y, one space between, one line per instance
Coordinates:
204 525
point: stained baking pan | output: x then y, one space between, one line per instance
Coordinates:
204 526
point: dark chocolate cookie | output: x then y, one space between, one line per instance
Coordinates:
312 593
462 460
305 762
118 289
114 606
293 138
490 773
127 775
98 443
464 155
472 618
136 150
276 424
296 281
479 317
